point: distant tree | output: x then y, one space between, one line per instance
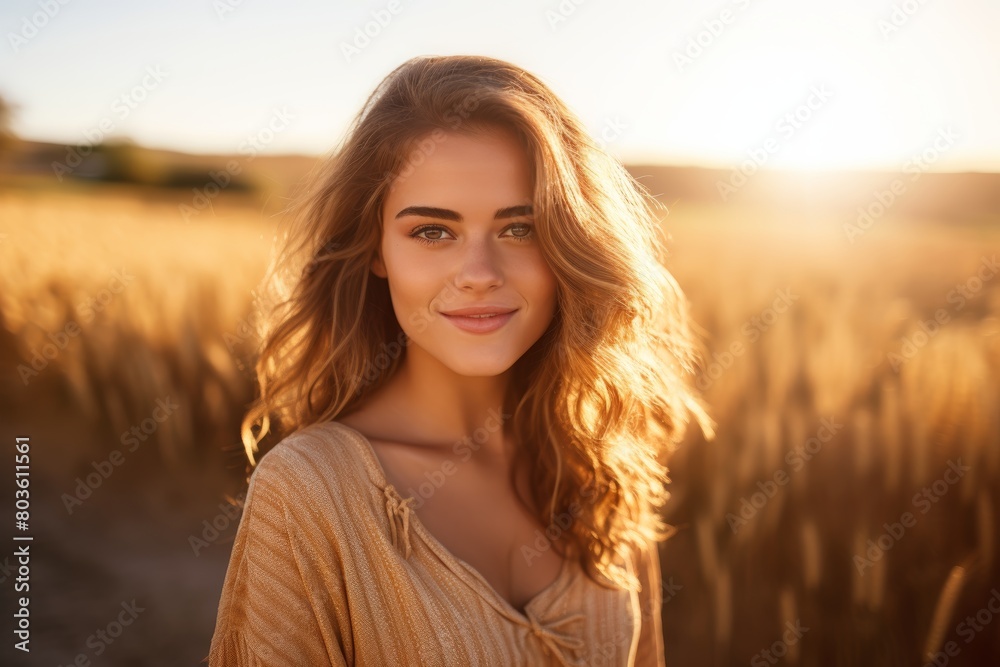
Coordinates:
6 117
120 159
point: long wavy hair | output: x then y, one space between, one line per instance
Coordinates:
596 404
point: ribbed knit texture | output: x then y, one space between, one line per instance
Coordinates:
331 567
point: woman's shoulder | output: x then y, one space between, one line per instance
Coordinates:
318 455
313 484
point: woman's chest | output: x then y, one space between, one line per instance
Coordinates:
475 514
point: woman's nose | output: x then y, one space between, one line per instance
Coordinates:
478 265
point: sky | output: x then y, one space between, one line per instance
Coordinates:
789 84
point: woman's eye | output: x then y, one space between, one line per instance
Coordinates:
433 233
521 230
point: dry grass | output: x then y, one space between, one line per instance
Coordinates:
159 305
179 329
903 420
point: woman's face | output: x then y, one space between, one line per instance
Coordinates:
458 233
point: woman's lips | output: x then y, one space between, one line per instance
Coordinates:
480 324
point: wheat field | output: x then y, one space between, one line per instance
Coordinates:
844 514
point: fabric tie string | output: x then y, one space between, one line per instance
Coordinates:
554 640
398 511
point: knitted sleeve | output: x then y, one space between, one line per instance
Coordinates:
271 600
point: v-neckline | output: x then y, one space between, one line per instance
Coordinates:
455 564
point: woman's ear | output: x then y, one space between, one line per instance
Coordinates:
378 267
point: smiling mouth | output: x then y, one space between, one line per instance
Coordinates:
480 322
484 310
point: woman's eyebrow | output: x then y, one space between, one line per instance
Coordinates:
455 216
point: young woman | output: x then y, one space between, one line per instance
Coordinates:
478 364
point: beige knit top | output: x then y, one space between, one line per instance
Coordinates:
331 567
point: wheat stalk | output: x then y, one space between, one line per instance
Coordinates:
943 610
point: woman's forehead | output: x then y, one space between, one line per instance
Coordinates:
459 167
